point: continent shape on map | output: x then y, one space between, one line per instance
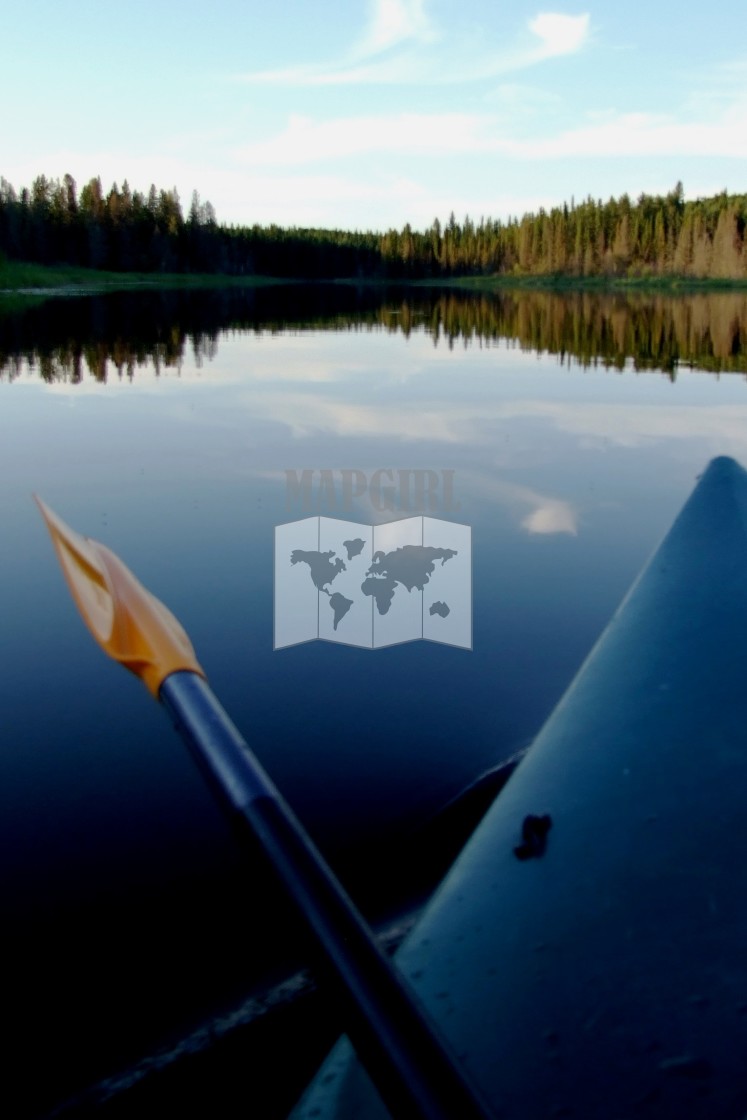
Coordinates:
440 608
323 571
382 590
412 565
354 547
340 606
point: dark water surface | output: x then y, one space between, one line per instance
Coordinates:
164 425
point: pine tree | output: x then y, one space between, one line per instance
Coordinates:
682 259
726 262
702 246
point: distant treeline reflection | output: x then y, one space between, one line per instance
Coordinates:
114 335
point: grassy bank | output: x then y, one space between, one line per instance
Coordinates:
20 282
19 279
557 282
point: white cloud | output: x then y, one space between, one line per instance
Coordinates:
644 134
305 140
393 22
547 515
596 424
552 517
403 24
611 135
518 98
401 69
477 422
559 34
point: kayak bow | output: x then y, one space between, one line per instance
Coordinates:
396 1040
586 953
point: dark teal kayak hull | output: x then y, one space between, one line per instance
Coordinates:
595 965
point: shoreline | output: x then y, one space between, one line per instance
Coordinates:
24 281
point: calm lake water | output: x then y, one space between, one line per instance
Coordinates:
571 430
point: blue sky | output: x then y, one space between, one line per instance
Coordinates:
372 113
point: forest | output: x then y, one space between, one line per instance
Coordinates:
655 236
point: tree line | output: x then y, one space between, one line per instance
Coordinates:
114 337
124 230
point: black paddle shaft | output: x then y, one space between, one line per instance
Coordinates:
398 1043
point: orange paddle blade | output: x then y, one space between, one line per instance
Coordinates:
129 623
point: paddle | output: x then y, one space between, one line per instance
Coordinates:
394 1037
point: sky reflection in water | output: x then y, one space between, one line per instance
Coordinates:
567 477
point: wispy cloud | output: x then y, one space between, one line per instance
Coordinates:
305 140
547 515
611 134
552 517
558 34
393 22
644 134
402 46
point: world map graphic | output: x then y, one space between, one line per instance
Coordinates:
372 586
408 567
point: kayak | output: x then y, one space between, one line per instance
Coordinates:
585 956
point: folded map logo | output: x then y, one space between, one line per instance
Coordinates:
373 585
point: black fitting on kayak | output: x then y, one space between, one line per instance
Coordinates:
534 832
